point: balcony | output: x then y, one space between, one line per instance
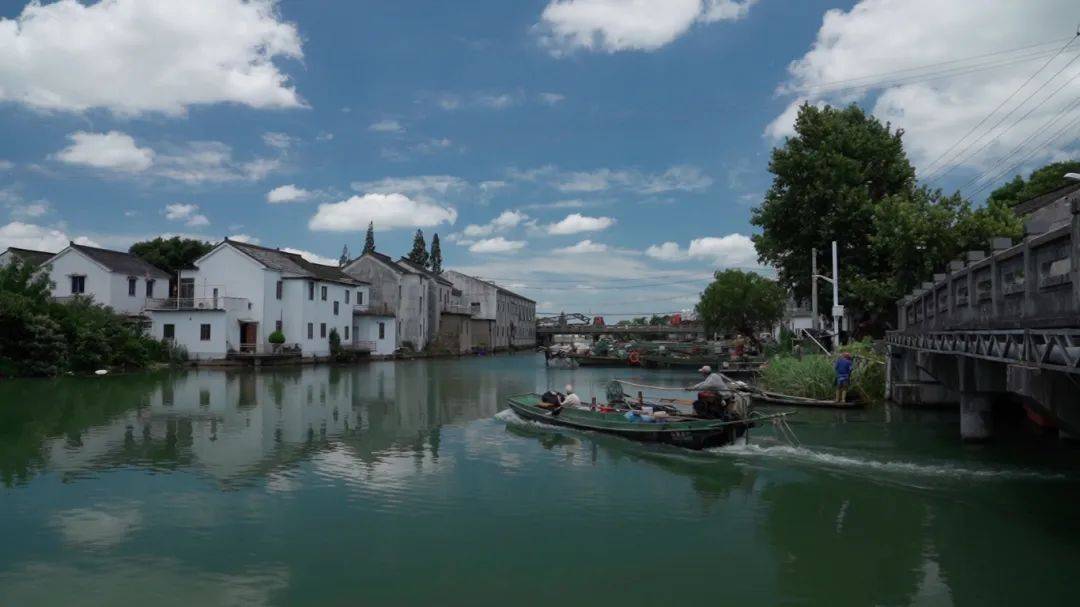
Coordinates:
380 309
239 306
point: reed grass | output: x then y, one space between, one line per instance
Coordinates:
813 376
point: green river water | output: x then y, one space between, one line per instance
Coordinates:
408 484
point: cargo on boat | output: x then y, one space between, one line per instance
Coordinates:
678 430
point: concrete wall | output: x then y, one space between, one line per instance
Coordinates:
455 333
223 331
480 296
367 329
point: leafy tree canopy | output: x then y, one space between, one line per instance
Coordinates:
171 254
844 176
1041 181
742 302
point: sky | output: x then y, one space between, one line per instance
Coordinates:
597 156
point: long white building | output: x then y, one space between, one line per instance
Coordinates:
502 319
116 279
239 293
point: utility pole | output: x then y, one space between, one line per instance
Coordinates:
837 309
813 290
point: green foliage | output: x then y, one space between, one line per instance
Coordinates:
369 240
435 259
844 176
814 376
418 254
277 337
1041 181
41 337
170 254
742 302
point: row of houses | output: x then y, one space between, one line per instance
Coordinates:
237 295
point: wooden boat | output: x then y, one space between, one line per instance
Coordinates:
680 431
588 360
733 369
772 398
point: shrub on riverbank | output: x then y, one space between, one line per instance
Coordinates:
41 337
814 376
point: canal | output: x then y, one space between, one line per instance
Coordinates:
406 484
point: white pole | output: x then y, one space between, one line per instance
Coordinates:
836 299
814 323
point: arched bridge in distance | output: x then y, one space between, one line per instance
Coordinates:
999 325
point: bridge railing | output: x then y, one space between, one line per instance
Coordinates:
1032 284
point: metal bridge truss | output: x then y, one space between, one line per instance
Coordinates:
1052 349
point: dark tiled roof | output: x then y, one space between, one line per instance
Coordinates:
120 262
387 260
292 263
500 289
417 269
30 256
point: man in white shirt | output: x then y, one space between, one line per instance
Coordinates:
714 382
572 400
712 396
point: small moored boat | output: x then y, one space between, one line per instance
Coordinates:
680 431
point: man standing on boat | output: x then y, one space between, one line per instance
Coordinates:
843 376
712 395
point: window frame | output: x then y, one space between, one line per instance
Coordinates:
133 286
205 332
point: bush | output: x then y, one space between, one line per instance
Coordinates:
814 376
278 338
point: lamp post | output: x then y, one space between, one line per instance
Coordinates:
1072 176
837 309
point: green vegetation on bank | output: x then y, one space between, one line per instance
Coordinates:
742 302
42 337
813 376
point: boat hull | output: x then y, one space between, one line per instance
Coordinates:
698 434
600 361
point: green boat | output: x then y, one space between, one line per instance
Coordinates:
680 431
731 368
586 360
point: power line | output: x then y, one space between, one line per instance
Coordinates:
926 66
621 287
957 157
931 167
1057 135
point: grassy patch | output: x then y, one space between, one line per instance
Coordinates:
813 376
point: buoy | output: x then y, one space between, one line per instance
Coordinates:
101 372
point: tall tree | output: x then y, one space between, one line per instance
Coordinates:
369 240
844 176
170 254
344 259
742 302
827 180
435 259
419 254
1041 181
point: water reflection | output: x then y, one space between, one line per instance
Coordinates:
233 425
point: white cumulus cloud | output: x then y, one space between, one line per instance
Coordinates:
496 245
733 250
901 37
287 193
36 237
113 150
312 257
583 247
386 126
188 213
576 223
137 56
388 211
623 25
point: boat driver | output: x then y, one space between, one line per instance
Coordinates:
713 393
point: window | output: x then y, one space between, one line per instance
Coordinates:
279 288
382 330
310 331
204 332
360 297
335 308
277 325
322 329
311 291
215 295
346 296
78 284
149 287
346 333
323 293
187 288
168 332
132 281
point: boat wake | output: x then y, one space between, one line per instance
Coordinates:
824 459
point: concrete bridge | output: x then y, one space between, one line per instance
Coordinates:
579 324
999 326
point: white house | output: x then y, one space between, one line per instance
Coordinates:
30 256
116 279
240 293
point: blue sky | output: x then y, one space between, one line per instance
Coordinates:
566 148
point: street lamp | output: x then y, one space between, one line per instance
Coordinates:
1072 176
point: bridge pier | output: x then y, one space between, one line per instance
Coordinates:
976 416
